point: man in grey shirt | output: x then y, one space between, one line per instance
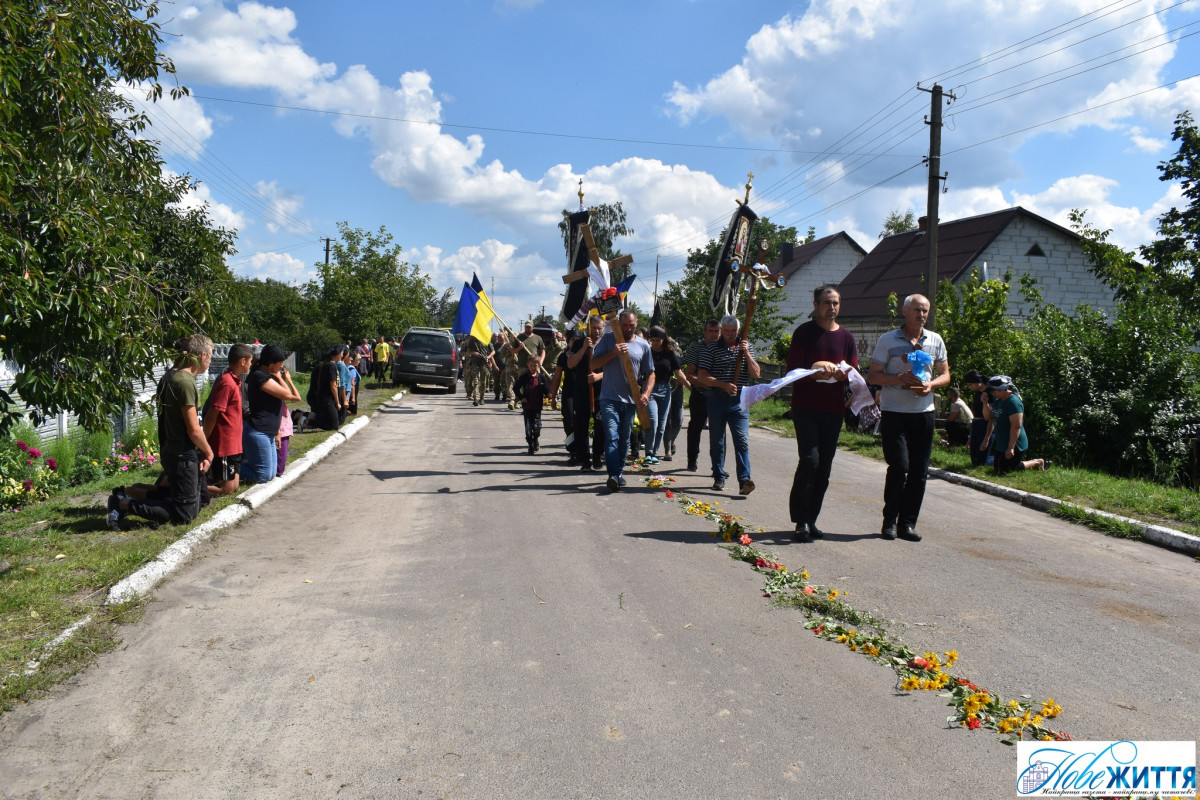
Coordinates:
907 421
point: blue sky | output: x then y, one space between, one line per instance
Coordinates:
465 125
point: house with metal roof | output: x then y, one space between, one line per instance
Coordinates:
827 260
1013 240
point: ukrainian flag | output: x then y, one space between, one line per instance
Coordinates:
474 315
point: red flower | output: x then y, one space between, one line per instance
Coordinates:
24 448
919 662
819 630
974 723
670 495
609 292
967 683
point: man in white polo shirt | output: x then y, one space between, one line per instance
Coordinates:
907 421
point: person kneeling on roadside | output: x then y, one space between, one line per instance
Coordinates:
223 422
185 454
266 386
1010 444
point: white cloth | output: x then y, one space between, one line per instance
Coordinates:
860 395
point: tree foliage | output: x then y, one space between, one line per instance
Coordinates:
100 265
275 313
687 300
898 223
367 290
972 320
607 222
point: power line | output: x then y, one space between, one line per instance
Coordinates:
517 131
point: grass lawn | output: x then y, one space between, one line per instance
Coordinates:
58 560
1174 507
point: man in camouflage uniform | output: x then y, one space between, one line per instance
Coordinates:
477 360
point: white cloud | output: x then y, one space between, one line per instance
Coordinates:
1130 226
806 81
280 266
222 215
283 206
250 48
180 126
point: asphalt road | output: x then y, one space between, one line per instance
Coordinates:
430 612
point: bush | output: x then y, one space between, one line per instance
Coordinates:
29 475
143 433
92 449
1119 395
62 450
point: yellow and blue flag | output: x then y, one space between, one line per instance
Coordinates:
474 315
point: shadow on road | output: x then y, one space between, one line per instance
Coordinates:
683 537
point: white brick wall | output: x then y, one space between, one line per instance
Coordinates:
831 265
1063 275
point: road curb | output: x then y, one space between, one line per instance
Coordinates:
141 582
1155 534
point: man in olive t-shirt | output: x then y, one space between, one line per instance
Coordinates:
184 451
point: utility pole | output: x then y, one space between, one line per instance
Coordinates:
656 280
327 240
933 195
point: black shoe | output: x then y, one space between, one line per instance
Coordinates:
691 467
613 485
814 531
746 487
666 457
801 534
572 462
909 532
888 531
718 485
531 449
621 481
587 468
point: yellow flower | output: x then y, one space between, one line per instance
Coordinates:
853 647
843 639
1013 704
804 574
833 593
1037 719
909 683
1051 709
1005 726
951 657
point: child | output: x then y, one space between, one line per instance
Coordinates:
532 390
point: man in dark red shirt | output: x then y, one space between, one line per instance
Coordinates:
818 405
223 422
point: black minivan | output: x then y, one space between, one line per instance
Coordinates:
427 356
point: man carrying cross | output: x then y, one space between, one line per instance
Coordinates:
618 400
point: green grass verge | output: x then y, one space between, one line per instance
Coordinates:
58 561
1174 507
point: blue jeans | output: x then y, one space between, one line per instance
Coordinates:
617 420
725 410
260 459
659 411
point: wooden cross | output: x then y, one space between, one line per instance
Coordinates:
620 261
759 275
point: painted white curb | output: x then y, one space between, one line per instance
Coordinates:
146 578
1155 534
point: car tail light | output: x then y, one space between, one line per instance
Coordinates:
399 349
453 356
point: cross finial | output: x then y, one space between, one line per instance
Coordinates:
581 192
749 179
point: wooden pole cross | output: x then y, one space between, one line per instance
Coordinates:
759 276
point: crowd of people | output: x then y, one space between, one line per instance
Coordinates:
622 392
241 433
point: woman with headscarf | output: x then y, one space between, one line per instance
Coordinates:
267 386
1010 444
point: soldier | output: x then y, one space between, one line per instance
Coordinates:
477 359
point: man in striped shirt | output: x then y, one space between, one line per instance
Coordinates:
716 368
698 396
